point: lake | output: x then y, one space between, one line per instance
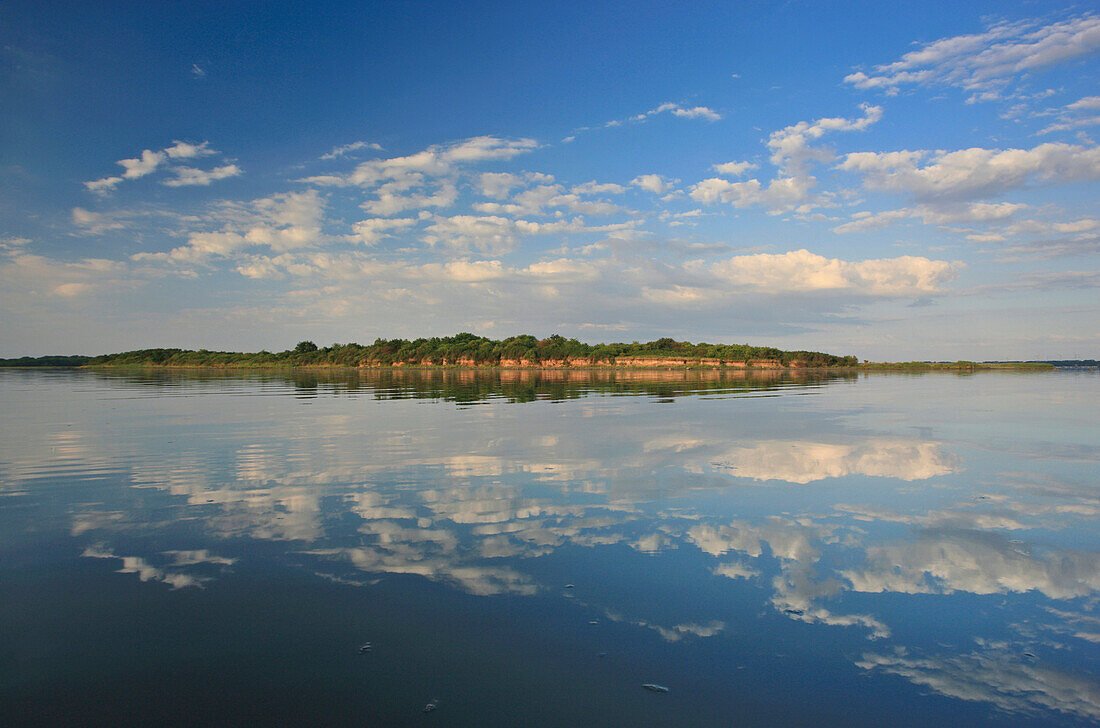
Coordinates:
524 548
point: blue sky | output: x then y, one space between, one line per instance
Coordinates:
891 180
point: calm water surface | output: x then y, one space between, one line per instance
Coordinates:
530 549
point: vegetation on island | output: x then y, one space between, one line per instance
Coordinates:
467 349
470 350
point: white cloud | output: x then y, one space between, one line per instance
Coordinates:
36 275
973 212
682 112
185 150
12 244
283 222
792 153
498 184
734 169
190 176
697 112
391 201
598 188
151 161
370 232
654 183
790 146
143 165
94 223
435 161
801 270
538 199
972 173
1079 114
102 186
782 193
985 62
352 147
495 234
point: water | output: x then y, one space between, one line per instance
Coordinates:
531 548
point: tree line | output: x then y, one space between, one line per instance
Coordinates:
470 348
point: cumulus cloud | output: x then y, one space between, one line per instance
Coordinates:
283 222
391 198
682 112
734 169
94 223
185 150
972 173
190 176
941 214
370 232
1045 239
33 275
343 149
791 146
150 161
985 62
782 193
597 188
537 200
654 183
803 271
1081 113
495 234
792 152
11 244
499 184
435 161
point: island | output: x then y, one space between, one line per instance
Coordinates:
466 350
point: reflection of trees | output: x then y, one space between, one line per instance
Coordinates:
476 385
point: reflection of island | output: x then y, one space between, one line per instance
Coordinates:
477 385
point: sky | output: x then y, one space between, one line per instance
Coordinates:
891 180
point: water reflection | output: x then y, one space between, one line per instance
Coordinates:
803 514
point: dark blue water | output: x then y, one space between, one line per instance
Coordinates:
529 549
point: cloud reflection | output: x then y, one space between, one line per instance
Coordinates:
362 489
1006 681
